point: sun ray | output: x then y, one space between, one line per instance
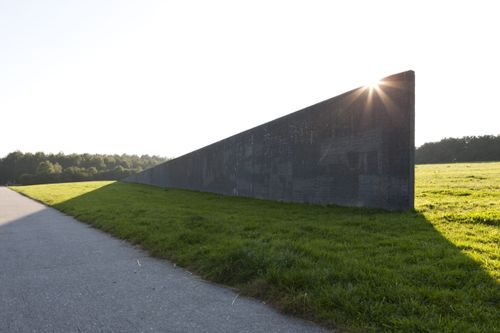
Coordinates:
387 101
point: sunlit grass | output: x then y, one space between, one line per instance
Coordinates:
463 203
435 270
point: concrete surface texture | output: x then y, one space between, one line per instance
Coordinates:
59 275
356 149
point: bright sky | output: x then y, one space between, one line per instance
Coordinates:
167 77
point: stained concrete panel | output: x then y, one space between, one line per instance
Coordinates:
355 149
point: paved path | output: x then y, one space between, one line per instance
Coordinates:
59 275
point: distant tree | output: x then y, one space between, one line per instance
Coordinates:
466 149
92 171
28 168
48 168
27 178
74 173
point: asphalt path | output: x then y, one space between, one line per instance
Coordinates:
60 275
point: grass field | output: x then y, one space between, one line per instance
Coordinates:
433 270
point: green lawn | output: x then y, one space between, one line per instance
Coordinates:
433 270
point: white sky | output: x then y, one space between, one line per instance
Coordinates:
167 77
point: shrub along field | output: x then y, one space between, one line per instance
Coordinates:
433 270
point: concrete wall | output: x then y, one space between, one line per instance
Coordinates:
356 149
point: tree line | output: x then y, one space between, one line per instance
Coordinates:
39 168
484 148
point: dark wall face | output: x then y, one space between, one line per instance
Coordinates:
356 149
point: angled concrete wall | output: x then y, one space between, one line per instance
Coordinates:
356 149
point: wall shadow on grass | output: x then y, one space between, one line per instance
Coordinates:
363 269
